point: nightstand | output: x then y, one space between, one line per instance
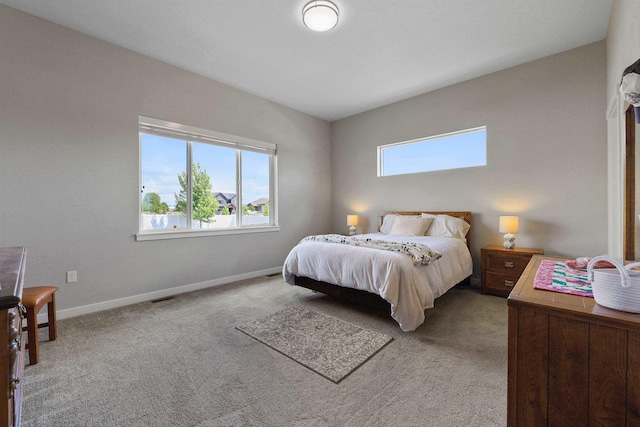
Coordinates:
501 268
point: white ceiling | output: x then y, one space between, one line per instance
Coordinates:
380 52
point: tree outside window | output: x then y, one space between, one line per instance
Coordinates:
205 205
152 203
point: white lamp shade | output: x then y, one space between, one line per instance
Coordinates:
509 224
352 220
320 15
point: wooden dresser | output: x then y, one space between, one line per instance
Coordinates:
12 268
571 361
501 268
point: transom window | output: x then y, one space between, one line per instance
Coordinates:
197 182
462 149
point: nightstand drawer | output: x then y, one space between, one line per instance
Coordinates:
500 282
501 268
507 262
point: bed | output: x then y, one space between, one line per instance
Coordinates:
388 278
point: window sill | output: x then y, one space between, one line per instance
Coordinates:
187 234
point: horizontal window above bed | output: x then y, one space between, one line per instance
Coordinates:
454 150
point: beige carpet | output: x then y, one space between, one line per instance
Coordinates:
181 362
331 347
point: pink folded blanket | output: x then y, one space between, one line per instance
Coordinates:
581 263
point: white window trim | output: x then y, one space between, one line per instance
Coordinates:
413 141
185 234
196 134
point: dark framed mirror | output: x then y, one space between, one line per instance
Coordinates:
631 210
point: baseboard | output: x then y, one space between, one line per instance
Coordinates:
475 282
149 296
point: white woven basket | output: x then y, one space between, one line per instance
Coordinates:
617 288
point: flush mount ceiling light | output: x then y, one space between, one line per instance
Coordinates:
320 15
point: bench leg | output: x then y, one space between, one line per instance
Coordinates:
32 335
51 313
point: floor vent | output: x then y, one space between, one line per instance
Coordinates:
163 299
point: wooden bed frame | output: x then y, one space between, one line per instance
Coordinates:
368 298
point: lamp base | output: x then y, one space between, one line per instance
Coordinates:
509 241
352 231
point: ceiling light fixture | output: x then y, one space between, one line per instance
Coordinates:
320 15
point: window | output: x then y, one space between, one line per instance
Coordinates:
463 149
195 182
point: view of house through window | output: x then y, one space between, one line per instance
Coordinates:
201 180
462 149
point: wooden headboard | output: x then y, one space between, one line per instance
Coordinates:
463 215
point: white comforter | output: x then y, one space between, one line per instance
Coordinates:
410 289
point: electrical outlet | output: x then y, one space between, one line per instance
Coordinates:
72 276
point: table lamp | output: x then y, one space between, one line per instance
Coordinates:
352 222
509 225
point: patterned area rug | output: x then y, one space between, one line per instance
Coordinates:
333 348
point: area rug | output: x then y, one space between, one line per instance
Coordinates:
331 347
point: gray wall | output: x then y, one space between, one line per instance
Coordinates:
69 107
546 155
623 41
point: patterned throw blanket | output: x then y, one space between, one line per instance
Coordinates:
420 254
557 277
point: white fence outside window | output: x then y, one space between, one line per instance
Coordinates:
168 221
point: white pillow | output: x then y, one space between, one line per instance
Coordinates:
449 226
432 218
404 225
387 222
